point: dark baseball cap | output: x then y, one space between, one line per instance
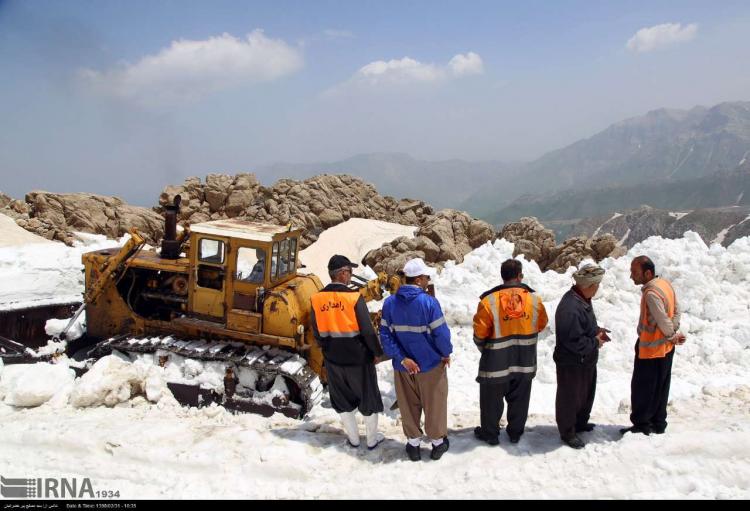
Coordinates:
338 261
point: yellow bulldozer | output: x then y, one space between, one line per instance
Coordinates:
227 293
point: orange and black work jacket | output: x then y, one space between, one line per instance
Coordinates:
659 319
341 325
508 320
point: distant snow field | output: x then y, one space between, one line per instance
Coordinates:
149 447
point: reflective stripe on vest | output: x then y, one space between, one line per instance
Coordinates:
506 372
652 343
335 314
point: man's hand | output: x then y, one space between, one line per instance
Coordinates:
678 339
410 365
447 361
376 360
602 337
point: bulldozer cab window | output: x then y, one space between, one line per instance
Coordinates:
251 265
292 255
284 254
211 251
275 261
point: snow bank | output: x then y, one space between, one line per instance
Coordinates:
31 385
11 234
712 286
37 274
112 380
353 239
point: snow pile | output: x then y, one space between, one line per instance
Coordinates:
112 380
712 286
31 385
54 327
12 234
39 274
353 239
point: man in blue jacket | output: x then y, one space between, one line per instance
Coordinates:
414 333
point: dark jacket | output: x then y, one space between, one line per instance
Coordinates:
350 351
575 331
413 326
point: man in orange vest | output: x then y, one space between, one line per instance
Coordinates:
342 327
657 336
508 320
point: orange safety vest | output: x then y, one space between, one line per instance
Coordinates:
652 343
335 314
508 312
506 327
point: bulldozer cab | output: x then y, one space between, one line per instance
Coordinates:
234 262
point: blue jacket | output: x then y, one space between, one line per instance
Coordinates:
413 326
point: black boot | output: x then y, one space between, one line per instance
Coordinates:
645 429
439 450
585 428
484 437
574 442
414 452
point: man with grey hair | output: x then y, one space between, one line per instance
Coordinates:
342 327
578 338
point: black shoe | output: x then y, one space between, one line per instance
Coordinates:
574 442
484 437
414 452
439 450
585 428
514 439
646 430
658 430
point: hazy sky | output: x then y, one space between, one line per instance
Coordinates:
122 97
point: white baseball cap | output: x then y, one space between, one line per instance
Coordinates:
417 267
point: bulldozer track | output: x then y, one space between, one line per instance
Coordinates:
266 361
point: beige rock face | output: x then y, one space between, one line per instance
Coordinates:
56 216
537 243
314 205
324 201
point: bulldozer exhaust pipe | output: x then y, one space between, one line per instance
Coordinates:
170 246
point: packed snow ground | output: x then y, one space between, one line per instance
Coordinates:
148 446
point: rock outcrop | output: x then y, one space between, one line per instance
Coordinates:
56 216
314 204
448 235
537 243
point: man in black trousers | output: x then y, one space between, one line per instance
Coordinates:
578 338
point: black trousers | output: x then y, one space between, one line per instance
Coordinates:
517 392
576 388
353 387
649 390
